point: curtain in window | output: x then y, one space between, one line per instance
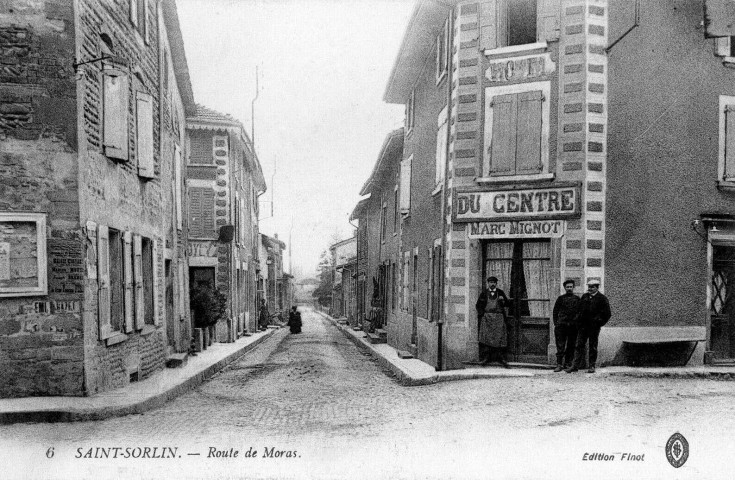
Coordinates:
537 272
499 261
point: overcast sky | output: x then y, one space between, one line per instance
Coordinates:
320 119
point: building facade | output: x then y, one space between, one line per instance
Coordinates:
273 281
224 180
529 111
344 273
87 181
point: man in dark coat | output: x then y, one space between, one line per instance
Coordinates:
294 320
263 315
492 328
594 312
566 309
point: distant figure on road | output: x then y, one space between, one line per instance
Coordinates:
566 310
294 320
594 312
263 315
492 329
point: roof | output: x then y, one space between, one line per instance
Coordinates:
178 55
205 118
418 43
392 145
271 241
359 208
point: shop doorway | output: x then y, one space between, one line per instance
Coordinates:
524 273
722 303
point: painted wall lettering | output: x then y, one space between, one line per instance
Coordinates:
558 202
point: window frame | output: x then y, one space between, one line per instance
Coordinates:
723 181
441 148
442 52
490 93
41 254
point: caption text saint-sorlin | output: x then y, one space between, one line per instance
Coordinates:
173 452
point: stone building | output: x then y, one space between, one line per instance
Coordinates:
87 154
224 180
271 265
541 124
344 273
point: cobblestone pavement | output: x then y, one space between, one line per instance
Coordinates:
334 413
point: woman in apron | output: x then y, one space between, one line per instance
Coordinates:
493 333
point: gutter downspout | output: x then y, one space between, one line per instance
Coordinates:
445 187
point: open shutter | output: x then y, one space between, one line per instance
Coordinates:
406 185
115 116
157 317
441 147
144 127
195 212
138 273
177 187
128 279
503 143
103 279
548 20
723 46
134 12
489 25
528 133
208 212
729 142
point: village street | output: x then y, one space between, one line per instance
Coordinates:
335 414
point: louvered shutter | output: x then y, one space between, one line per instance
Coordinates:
144 127
729 142
548 20
195 212
138 272
528 132
103 279
503 143
157 317
406 185
115 115
441 146
208 212
488 25
128 281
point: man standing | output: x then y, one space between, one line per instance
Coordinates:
264 316
566 309
594 312
492 329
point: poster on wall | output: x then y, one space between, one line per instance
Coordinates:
22 254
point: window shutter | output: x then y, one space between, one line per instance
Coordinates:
103 278
195 212
144 125
503 144
146 22
207 212
200 149
723 46
128 281
177 187
156 288
134 12
548 20
488 25
441 146
406 185
138 272
729 142
115 115
528 134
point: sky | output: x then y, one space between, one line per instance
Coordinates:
320 119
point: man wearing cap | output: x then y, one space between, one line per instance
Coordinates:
594 312
492 330
566 309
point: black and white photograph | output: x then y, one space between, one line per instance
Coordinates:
367 239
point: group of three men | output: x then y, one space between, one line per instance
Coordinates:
577 321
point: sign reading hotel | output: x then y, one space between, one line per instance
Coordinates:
520 68
523 204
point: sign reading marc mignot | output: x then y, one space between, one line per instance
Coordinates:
554 202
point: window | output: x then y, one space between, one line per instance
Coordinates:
405 199
201 148
520 18
144 134
410 113
727 139
23 254
395 209
516 130
511 23
201 212
115 113
383 221
117 280
442 55
147 280
441 147
140 18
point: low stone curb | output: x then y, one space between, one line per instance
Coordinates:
155 401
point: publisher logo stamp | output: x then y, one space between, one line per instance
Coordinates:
677 450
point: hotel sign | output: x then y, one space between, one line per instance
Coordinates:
520 68
517 229
521 204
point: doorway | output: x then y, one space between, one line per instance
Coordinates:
722 303
524 272
170 327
